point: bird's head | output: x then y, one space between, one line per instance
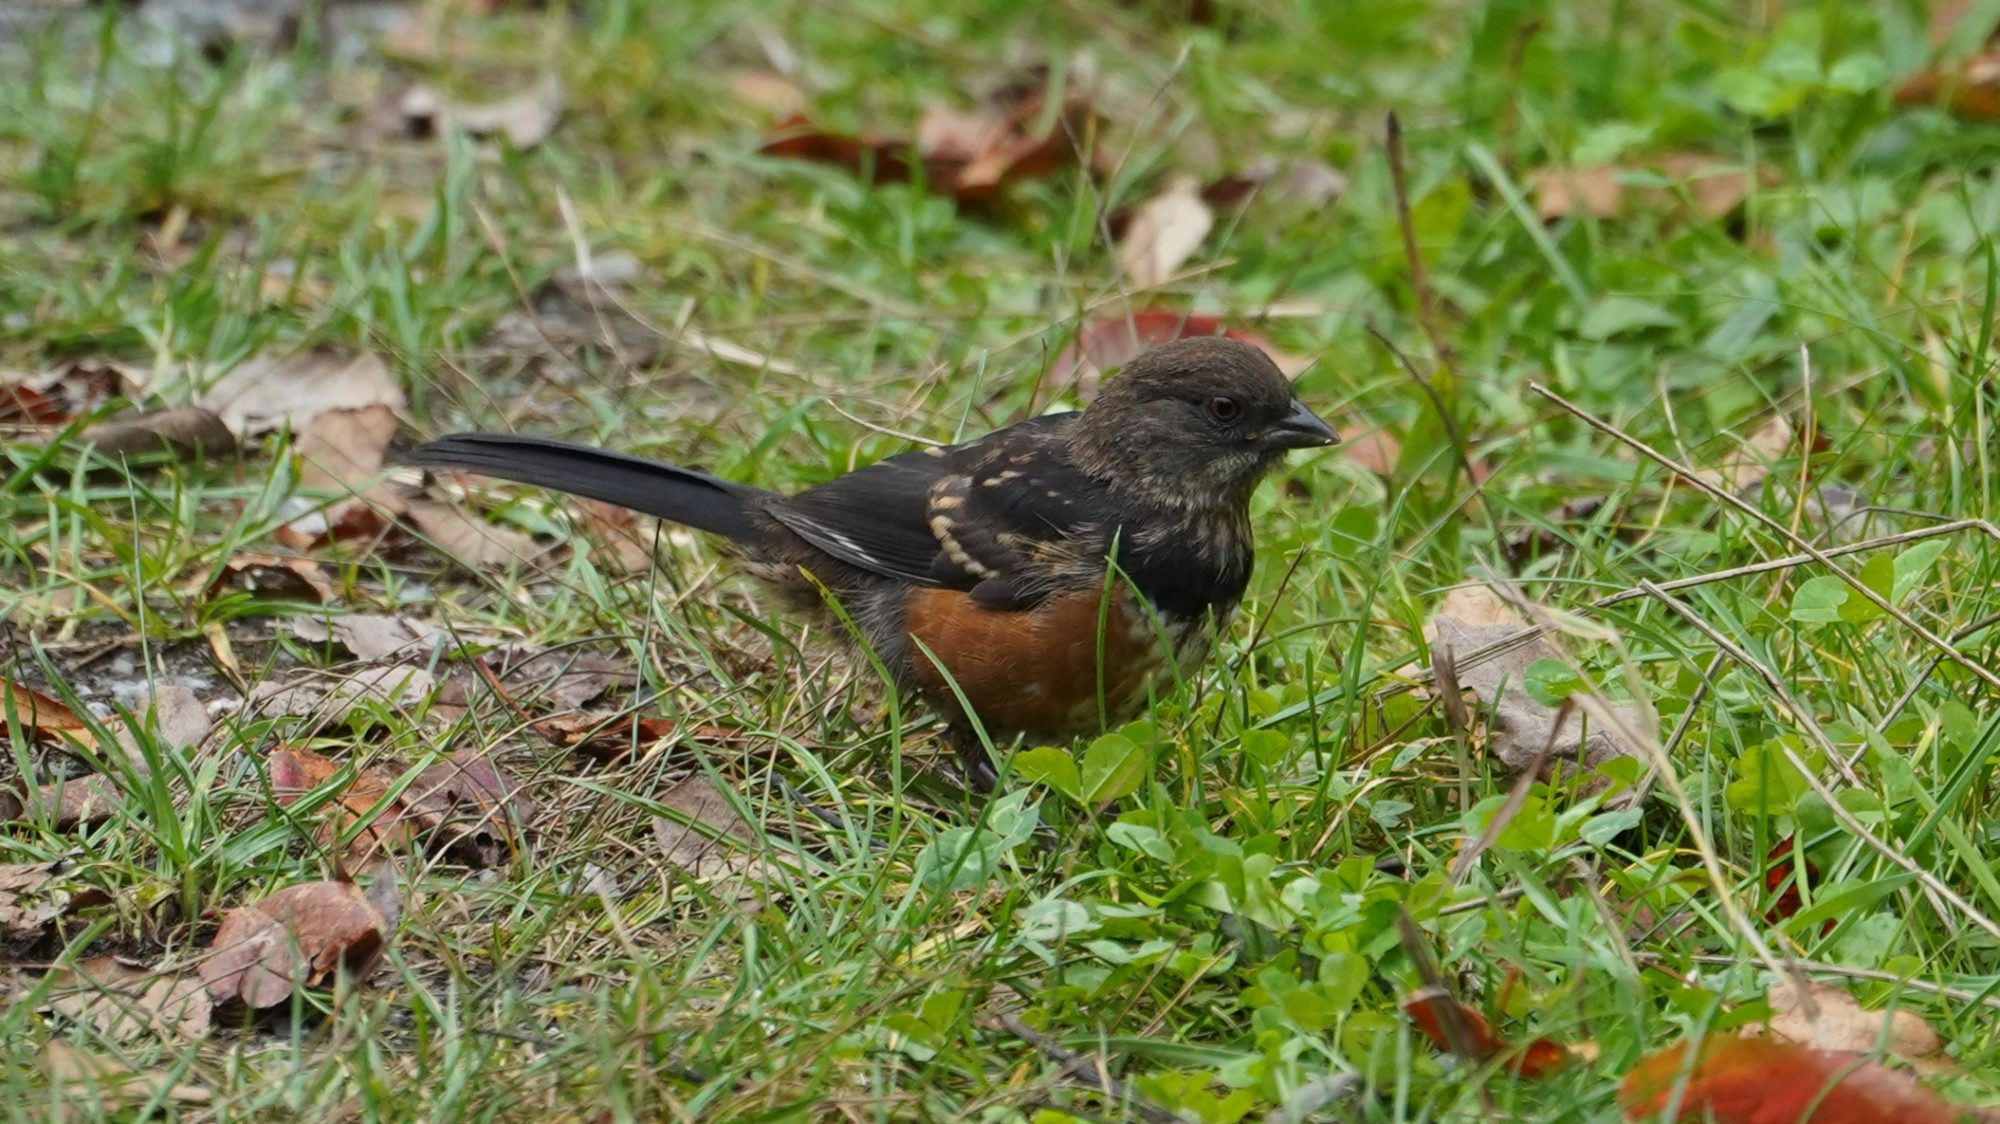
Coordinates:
1195 423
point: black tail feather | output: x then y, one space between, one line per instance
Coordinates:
676 494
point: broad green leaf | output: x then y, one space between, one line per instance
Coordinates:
1616 315
1912 566
1550 681
1113 767
1140 838
1829 600
1050 766
1878 574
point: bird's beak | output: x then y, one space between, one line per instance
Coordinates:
1300 429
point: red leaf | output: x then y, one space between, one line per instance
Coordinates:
296 772
299 935
1763 1081
1433 1011
967 155
40 716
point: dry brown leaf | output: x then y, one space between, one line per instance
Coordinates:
610 734
477 810
1713 187
174 715
190 432
341 450
709 838
332 698
1597 192
299 936
31 898
94 1079
275 391
1834 1021
969 155
125 1001
1968 88
767 90
276 577
1371 447
296 772
524 120
372 637
1471 618
60 396
1745 1080
1746 464
1164 232
626 535
470 541
43 718
560 677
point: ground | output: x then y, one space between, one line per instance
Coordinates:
1625 296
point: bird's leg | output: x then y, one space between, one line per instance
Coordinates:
973 760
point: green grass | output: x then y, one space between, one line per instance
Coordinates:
1221 936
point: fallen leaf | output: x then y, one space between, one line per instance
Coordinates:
60 396
174 716
1164 232
342 450
524 120
332 698
472 542
31 898
277 577
94 1079
1432 1011
1519 727
1714 188
559 677
189 432
767 90
1968 89
709 838
1763 1081
296 772
79 801
476 809
1371 447
606 734
1597 192
277 391
42 718
969 155
1101 345
299 936
1834 1021
372 637
1748 462
125 1001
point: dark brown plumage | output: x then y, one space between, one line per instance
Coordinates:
1054 571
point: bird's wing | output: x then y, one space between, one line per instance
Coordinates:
962 517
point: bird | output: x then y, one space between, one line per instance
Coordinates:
1047 579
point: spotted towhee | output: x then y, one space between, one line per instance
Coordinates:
1046 576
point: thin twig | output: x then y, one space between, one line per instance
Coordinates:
1086 1069
1854 582
1427 314
1848 819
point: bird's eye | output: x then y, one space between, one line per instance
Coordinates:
1224 408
